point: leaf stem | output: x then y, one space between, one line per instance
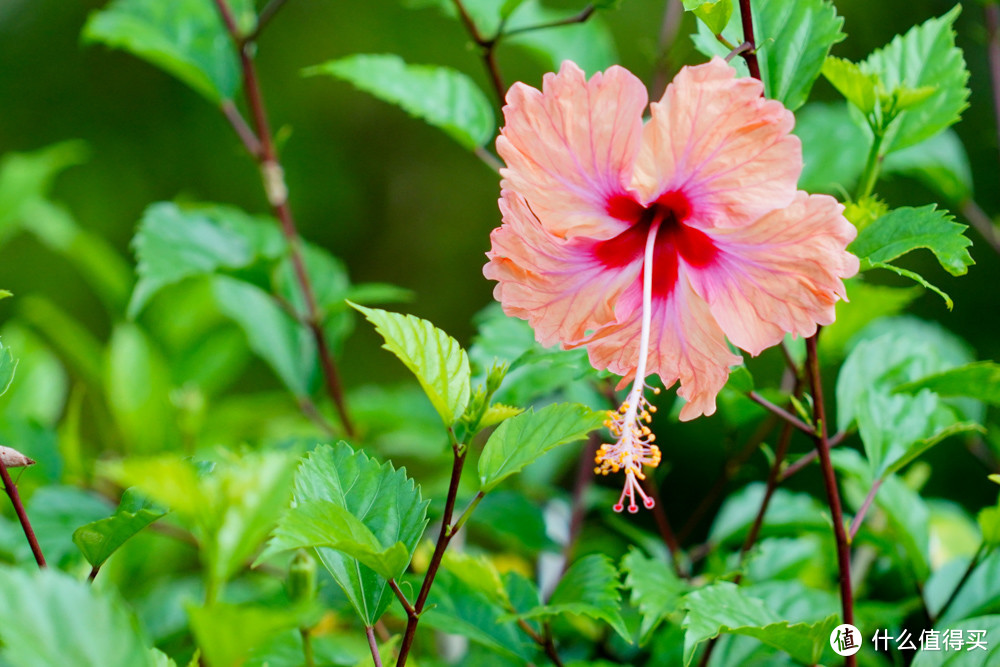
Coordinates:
673 15
544 640
265 16
859 518
579 17
982 222
773 480
467 513
373 645
981 553
407 607
307 649
22 516
781 413
272 176
873 165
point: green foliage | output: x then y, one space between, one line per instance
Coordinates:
590 45
788 513
438 361
520 440
940 163
589 587
49 619
99 539
186 38
350 498
860 88
868 303
715 15
445 98
227 633
967 657
8 365
833 147
980 380
656 590
478 573
724 608
793 40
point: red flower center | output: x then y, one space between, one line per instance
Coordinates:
674 239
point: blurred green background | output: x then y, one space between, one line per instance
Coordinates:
395 199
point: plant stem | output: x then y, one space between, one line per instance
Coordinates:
773 480
579 17
544 642
488 47
373 645
751 54
781 413
869 177
664 527
22 516
307 649
265 16
981 552
830 482
673 14
859 518
982 222
445 536
272 176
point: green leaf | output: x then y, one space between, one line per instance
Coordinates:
286 345
715 15
478 573
857 86
56 511
980 380
383 499
49 619
788 513
438 361
137 386
905 229
834 147
940 163
989 626
925 56
724 608
186 38
917 278
793 40
99 539
8 365
441 96
175 243
989 524
590 44
589 587
227 633
868 303
978 595
656 590
522 439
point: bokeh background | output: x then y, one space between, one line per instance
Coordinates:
396 199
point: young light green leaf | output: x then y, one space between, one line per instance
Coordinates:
939 65
989 524
940 163
383 499
227 633
441 96
793 40
724 608
980 380
174 243
186 38
322 523
438 361
99 539
50 619
285 344
715 14
520 440
857 86
589 587
479 573
656 590
905 229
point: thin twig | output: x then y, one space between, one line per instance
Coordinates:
410 611
373 645
487 46
982 222
265 16
488 159
773 480
272 176
981 552
781 413
673 13
579 17
307 648
739 50
545 643
663 525
859 518
584 480
22 516
806 459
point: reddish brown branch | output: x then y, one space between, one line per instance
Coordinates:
22 516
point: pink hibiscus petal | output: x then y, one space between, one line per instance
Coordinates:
686 344
781 274
714 138
558 285
570 148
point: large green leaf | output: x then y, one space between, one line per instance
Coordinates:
441 96
99 539
49 619
382 498
186 38
834 147
522 439
227 633
589 587
788 513
724 608
285 344
656 590
980 380
438 361
985 627
55 512
173 243
793 39
905 229
978 595
926 56
940 163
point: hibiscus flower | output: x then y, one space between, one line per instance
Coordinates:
653 243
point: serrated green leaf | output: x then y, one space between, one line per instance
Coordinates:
724 608
715 15
857 86
441 96
656 590
174 243
321 523
28 177
940 163
99 539
925 56
382 498
497 413
227 633
186 38
438 361
589 587
980 380
522 439
905 229
793 40
49 619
